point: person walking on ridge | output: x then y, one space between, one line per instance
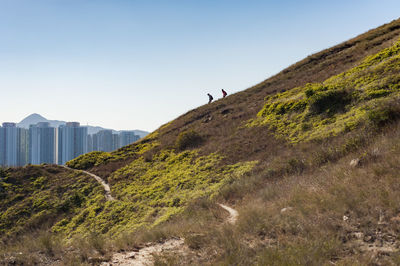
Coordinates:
224 93
210 98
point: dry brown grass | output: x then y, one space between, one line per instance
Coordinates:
291 213
43 247
334 213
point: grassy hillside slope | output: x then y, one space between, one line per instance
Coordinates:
279 152
34 197
368 92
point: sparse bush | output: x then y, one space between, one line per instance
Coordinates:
165 259
97 242
235 251
48 243
188 139
148 157
294 165
195 241
384 113
311 252
82 247
73 260
353 144
238 188
251 219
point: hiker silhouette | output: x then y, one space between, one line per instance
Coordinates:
210 98
224 93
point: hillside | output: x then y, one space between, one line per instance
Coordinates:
279 152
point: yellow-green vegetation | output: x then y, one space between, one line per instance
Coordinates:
96 158
136 149
364 95
89 160
35 197
149 192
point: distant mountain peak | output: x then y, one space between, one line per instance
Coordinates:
32 119
34 116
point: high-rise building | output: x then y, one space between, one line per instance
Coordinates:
72 141
11 147
42 143
104 140
23 146
95 146
13 143
2 146
89 143
127 137
115 142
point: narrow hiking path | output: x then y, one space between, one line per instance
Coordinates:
233 214
144 256
98 179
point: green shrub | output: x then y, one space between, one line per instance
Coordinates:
330 101
188 139
294 165
309 92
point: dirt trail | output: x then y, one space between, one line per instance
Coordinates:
233 214
98 179
144 256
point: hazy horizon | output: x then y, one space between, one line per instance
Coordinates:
139 64
60 120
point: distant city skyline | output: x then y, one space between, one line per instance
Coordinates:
35 118
42 143
139 64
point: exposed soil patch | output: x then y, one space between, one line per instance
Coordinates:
144 256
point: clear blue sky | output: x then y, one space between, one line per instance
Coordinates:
130 64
